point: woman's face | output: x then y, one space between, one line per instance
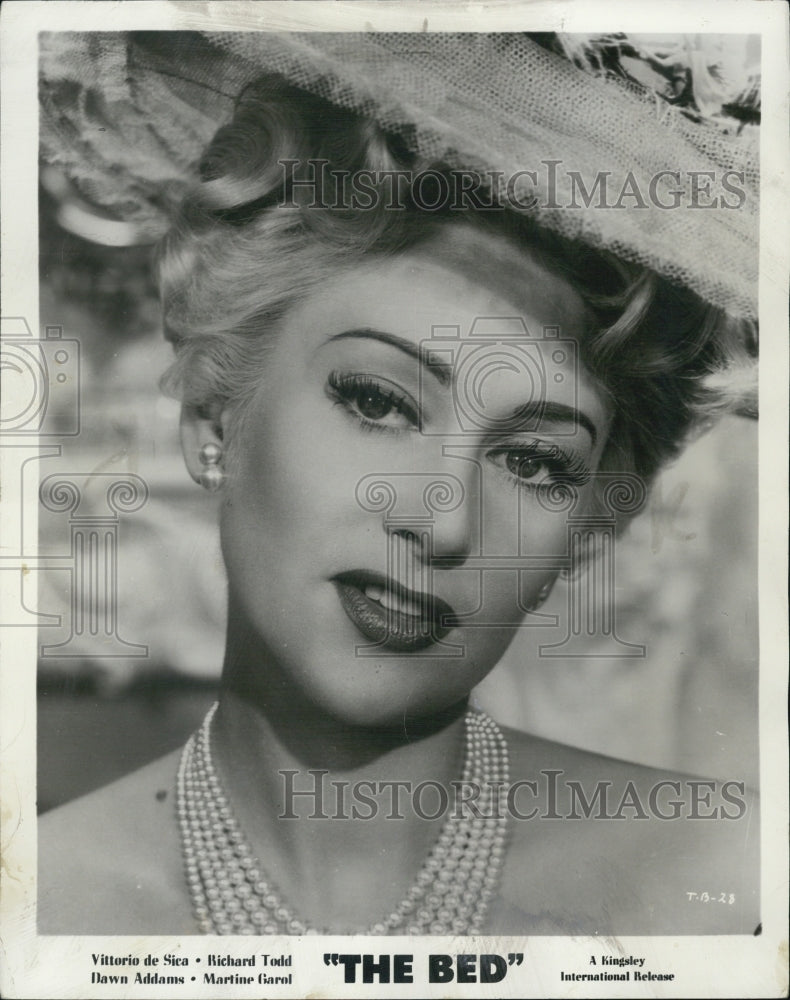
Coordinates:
385 522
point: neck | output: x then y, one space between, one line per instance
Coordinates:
351 788
283 725
255 749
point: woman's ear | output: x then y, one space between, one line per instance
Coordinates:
202 445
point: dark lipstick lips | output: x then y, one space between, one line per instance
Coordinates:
393 630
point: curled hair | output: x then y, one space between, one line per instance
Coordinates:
235 261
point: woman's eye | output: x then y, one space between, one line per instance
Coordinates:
373 404
376 403
526 467
541 465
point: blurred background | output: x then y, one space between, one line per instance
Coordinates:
114 698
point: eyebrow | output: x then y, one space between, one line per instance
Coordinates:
443 373
553 413
440 370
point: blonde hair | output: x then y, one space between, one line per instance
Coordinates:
236 260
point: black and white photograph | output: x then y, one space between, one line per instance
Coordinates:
394 499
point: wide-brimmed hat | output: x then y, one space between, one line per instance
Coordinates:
127 116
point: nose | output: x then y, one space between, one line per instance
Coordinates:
439 521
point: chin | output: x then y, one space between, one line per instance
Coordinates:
392 693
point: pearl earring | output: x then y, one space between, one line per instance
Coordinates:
212 477
541 596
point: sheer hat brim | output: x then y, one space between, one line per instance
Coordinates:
128 115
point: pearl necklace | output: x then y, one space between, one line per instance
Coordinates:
231 894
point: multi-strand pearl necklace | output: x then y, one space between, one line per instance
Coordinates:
232 895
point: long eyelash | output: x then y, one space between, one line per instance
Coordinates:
344 387
564 466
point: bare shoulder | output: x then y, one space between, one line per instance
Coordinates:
110 862
603 846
